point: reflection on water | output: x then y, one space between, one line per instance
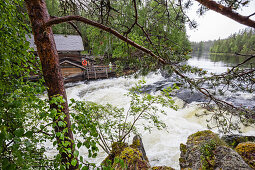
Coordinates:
217 63
203 61
230 60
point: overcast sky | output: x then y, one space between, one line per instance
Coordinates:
212 25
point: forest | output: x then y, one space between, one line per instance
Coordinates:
140 35
238 43
241 42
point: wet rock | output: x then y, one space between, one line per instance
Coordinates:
205 150
189 96
247 151
234 140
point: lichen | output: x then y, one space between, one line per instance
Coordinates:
247 150
117 148
130 155
132 159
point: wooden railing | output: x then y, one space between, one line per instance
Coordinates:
96 72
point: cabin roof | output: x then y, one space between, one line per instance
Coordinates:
63 42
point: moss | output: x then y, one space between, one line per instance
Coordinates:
130 154
162 168
207 155
132 159
207 141
247 150
136 143
206 135
200 136
182 160
234 140
183 148
117 148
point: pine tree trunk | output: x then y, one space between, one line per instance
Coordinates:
46 49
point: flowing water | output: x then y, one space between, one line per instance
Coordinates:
162 147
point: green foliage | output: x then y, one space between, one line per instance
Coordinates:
207 155
21 111
243 42
164 33
104 125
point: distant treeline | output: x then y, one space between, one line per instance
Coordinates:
202 46
242 42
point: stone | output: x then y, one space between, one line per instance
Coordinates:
131 159
205 150
234 140
138 144
247 151
123 156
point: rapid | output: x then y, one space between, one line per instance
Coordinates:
162 147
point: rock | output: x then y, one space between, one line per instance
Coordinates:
234 140
132 159
138 144
123 156
205 150
247 151
227 158
117 148
190 96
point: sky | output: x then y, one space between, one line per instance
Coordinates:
213 25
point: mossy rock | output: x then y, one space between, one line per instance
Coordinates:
203 136
132 159
138 144
162 168
205 150
117 148
247 151
234 140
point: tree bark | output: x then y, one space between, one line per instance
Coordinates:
228 12
46 49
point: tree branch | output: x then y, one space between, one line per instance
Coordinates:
54 21
228 12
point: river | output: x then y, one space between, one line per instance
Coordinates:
162 147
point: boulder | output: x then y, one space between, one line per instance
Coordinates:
123 156
130 158
205 150
247 151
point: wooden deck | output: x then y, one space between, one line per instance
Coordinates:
75 72
97 72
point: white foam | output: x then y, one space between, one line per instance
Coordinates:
162 147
